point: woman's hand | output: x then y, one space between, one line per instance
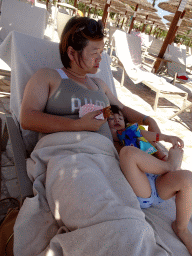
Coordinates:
175 141
89 123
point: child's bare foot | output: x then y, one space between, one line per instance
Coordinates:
184 235
175 157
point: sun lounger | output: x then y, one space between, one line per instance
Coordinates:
62 19
22 17
128 51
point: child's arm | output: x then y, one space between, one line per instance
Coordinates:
151 136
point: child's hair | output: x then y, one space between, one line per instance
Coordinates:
116 110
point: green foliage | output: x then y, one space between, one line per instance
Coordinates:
112 14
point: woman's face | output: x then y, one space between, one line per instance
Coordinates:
91 56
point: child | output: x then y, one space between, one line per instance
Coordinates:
133 136
154 180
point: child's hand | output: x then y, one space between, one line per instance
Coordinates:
176 141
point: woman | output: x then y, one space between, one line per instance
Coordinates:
87 189
81 47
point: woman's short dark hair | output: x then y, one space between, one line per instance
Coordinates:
76 33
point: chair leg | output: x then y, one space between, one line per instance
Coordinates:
111 50
175 77
122 78
3 143
156 101
180 111
5 138
0 151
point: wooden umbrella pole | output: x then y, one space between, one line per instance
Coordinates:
84 10
144 24
105 12
89 12
158 34
176 28
151 28
133 18
127 21
123 19
168 37
95 10
89 9
155 30
47 4
75 3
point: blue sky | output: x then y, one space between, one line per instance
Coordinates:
161 12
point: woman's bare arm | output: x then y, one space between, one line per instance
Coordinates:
34 101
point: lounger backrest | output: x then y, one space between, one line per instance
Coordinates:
178 57
25 55
22 17
128 48
155 47
146 40
134 44
62 19
112 30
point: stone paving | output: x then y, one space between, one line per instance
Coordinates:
139 97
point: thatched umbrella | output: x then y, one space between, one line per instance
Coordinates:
148 16
172 6
183 29
181 8
142 4
185 22
126 14
114 3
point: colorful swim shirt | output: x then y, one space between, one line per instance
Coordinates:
131 136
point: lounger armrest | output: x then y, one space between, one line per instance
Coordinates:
19 155
164 60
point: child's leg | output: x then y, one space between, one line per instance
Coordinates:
178 183
135 163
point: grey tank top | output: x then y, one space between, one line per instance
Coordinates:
69 96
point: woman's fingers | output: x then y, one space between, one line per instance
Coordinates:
89 121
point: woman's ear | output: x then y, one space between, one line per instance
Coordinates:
71 53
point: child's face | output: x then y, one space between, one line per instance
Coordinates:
116 121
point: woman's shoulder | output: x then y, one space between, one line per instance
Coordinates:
46 75
100 82
46 71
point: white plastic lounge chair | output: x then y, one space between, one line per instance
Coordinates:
62 19
103 213
146 41
177 66
128 51
150 55
22 17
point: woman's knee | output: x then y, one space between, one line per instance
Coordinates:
185 177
